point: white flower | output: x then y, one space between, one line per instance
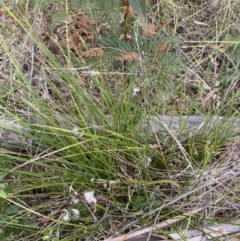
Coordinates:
89 196
135 91
75 212
75 200
70 214
66 217
149 160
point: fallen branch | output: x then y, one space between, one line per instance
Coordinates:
13 135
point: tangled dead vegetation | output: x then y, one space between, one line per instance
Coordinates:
81 35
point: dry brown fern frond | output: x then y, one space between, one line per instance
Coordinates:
92 53
75 43
81 29
80 24
131 56
152 28
162 46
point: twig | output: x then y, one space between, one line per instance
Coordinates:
30 141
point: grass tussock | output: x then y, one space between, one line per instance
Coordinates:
75 162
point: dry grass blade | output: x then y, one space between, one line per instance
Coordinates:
164 25
3 17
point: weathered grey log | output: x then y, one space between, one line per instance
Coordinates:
13 135
174 125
